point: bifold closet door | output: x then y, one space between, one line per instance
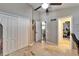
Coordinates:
23 31
12 33
16 32
9 33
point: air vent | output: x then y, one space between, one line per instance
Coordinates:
53 20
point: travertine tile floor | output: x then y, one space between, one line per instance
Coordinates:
44 49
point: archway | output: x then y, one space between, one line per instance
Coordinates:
1 39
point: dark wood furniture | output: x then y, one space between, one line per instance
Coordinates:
76 41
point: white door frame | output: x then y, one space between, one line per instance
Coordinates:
59 19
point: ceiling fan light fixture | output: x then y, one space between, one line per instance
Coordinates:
45 5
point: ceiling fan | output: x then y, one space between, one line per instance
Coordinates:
46 5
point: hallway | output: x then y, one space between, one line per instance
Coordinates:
44 49
25 23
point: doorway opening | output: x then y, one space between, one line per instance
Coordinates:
64 30
1 40
44 31
34 30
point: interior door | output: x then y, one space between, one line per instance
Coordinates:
38 31
51 31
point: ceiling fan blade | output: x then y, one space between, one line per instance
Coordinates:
55 3
37 8
47 10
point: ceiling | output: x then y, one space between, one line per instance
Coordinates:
64 5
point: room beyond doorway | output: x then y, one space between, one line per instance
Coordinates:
64 30
1 39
